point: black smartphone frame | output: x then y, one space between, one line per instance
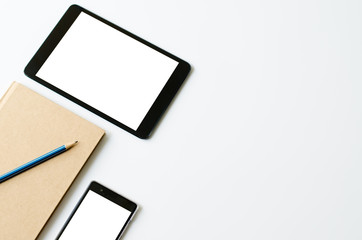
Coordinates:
111 196
159 106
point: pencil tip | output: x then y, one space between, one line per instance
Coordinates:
67 146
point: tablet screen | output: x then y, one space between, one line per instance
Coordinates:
108 70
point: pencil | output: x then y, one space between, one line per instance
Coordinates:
36 161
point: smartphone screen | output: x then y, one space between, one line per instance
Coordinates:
101 214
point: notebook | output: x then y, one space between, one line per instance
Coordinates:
30 126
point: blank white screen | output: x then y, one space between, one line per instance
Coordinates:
108 70
96 218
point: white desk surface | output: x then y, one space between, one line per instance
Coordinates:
262 142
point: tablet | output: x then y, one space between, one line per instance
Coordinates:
108 70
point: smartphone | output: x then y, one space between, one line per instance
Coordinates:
100 214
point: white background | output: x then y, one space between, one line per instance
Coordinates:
262 142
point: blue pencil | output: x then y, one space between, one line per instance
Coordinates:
36 161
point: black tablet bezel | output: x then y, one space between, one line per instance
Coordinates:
111 196
159 106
